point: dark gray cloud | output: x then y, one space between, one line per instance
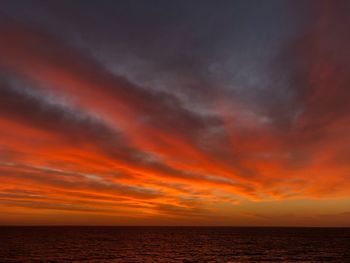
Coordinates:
197 50
29 106
20 102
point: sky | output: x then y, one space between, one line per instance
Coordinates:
187 112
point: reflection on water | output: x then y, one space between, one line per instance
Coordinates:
173 244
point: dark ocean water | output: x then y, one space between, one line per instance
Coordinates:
173 244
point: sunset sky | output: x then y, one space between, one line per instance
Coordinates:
180 112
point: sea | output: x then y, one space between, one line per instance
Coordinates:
173 244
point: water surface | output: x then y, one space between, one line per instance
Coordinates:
173 244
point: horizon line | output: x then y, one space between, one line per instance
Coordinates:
172 226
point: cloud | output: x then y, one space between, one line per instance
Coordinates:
158 109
